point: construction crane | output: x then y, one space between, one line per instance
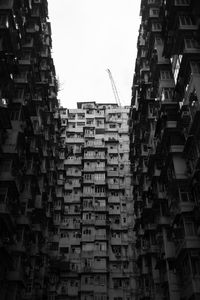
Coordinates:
114 88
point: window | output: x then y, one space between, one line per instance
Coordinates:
143 53
88 176
81 124
23 75
195 262
184 196
100 176
189 228
191 44
156 27
81 116
4 21
182 2
89 122
167 94
185 267
158 41
165 75
19 93
195 67
6 165
186 21
54 246
15 115
72 116
154 12
3 193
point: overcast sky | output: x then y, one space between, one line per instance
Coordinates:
90 36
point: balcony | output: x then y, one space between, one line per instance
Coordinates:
94 156
73 291
4 209
191 46
102 194
72 199
189 242
71 225
76 173
87 269
73 161
22 78
100 267
112 173
23 220
112 161
100 237
193 85
176 148
7 175
185 207
157 172
70 186
191 287
86 287
99 181
89 135
113 186
75 140
114 211
161 195
113 199
18 247
16 276
100 222
100 208
88 222
99 168
163 221
57 206
37 227
87 238
60 182
150 227
4 116
147 207
115 241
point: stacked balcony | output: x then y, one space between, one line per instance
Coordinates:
96 231
164 150
28 147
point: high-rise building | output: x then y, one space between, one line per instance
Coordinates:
164 150
29 135
94 237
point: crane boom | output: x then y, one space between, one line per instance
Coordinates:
116 95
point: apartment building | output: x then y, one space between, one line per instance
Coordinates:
94 238
29 143
164 150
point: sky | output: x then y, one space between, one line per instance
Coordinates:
89 37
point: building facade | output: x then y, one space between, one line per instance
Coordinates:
29 144
94 237
164 150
